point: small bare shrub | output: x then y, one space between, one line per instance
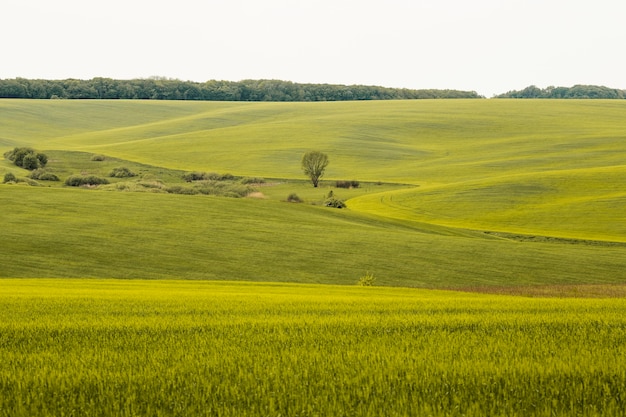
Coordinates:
367 280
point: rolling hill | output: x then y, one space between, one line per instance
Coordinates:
489 192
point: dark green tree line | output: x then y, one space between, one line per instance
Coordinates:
576 92
159 88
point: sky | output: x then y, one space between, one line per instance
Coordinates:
487 46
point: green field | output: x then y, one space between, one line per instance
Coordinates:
454 193
181 348
501 220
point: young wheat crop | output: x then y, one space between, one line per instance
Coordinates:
167 348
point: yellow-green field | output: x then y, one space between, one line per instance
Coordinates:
454 193
519 199
181 348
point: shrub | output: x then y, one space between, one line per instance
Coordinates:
88 180
367 280
347 184
98 158
253 180
207 176
9 177
293 198
43 159
226 177
334 202
42 174
179 189
121 172
224 189
30 162
153 184
194 176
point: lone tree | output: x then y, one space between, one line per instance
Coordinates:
313 164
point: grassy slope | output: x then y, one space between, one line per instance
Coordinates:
53 232
545 167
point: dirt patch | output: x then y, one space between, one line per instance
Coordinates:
550 239
558 291
267 184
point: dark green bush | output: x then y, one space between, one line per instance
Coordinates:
121 172
195 176
293 198
87 180
347 184
43 159
9 177
98 158
30 161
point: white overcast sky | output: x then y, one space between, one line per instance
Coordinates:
489 46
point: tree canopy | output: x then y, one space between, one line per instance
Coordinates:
314 164
159 88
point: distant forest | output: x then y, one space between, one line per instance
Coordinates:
158 88
577 91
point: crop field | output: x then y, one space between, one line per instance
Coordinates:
180 348
501 220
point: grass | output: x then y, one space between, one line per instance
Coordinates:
174 348
419 142
62 232
454 193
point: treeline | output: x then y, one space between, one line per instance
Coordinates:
157 88
577 91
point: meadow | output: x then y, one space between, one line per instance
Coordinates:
203 348
501 220
454 193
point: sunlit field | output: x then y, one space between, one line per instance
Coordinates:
180 348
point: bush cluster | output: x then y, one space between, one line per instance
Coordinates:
85 180
207 176
253 180
216 188
347 184
121 172
27 158
98 158
42 174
